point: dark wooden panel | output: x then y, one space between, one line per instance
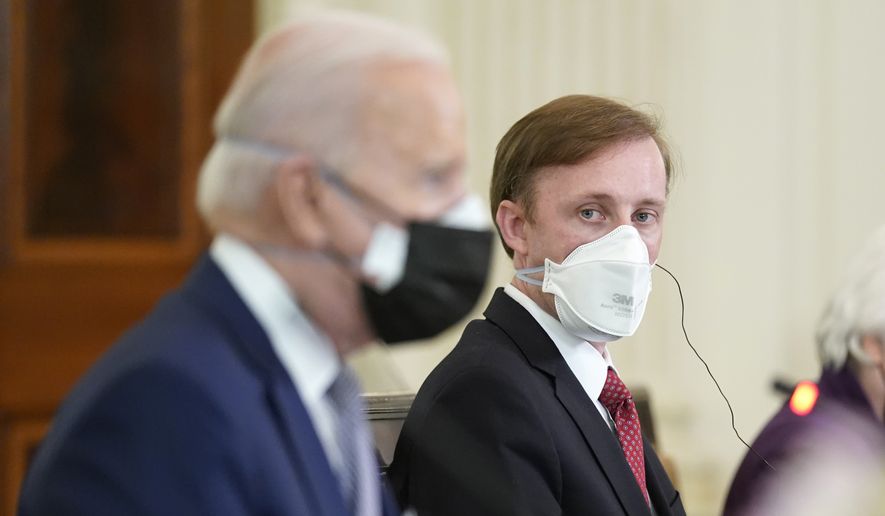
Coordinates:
101 115
107 99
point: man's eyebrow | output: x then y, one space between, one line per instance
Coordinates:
647 201
654 202
444 162
443 165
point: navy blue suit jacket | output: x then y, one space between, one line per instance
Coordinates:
190 413
502 427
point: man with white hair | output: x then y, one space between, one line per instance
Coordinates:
335 191
847 401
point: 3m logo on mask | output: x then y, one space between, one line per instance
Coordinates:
622 299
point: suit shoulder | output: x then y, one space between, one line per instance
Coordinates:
176 344
484 368
181 335
483 354
145 428
483 344
479 413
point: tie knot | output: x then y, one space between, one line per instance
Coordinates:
614 392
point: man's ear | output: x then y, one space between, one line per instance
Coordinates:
298 191
510 218
872 348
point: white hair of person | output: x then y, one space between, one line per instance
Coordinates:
299 90
857 308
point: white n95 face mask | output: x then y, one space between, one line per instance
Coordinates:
600 288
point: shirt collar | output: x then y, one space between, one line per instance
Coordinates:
306 353
586 362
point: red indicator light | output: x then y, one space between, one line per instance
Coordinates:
803 399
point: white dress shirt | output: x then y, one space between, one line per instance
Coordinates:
307 354
586 362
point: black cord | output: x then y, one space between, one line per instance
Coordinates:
730 410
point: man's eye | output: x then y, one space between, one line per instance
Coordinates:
645 217
436 179
589 214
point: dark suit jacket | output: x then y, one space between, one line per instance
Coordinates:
190 413
502 427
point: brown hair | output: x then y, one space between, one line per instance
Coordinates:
566 131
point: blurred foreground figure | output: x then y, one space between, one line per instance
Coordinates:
527 415
831 433
335 192
837 468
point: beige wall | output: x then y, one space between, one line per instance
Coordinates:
774 109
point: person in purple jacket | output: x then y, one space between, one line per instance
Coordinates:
850 391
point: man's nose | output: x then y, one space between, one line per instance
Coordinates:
440 206
623 219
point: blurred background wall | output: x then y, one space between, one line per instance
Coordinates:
775 109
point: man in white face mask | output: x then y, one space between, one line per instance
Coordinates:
527 415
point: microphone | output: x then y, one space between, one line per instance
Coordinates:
783 386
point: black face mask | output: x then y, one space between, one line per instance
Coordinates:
446 270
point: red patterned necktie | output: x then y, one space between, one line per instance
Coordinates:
616 398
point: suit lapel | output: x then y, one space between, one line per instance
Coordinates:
209 288
305 448
602 442
541 353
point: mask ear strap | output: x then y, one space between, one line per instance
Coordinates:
359 195
293 255
523 274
